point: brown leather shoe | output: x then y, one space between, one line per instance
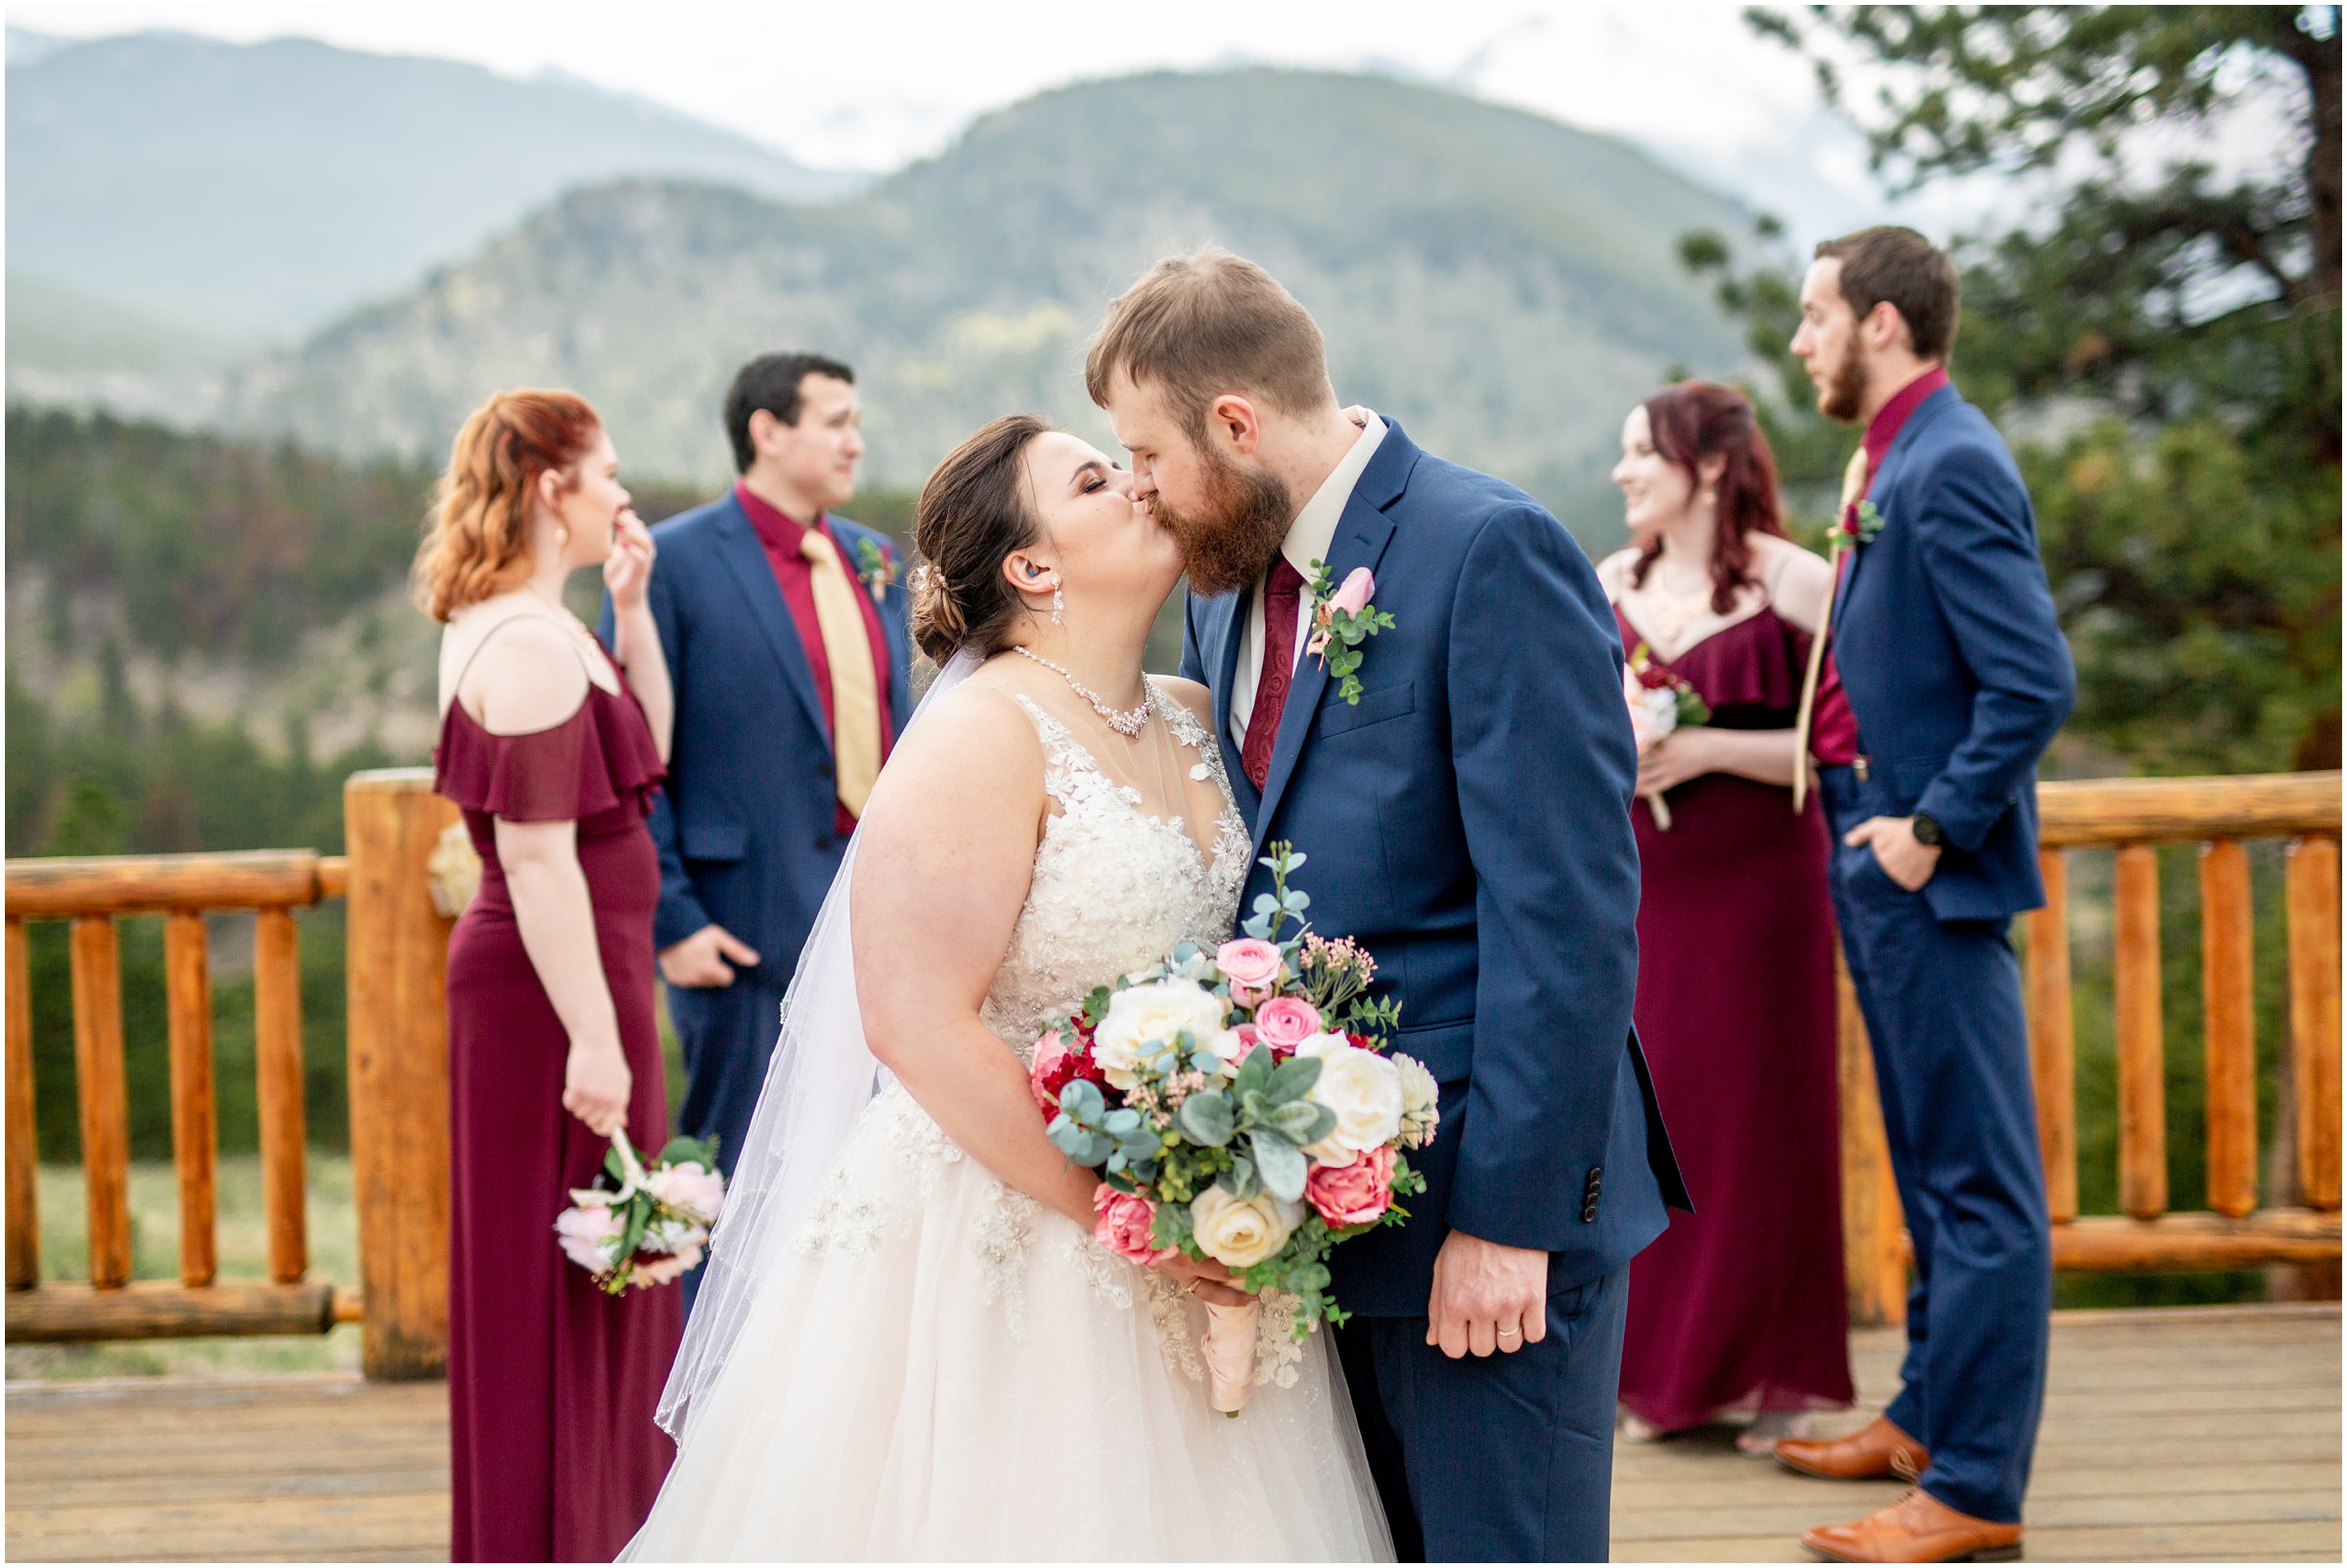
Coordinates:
1917 1528
1879 1452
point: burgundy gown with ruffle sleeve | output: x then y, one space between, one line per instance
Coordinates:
552 1384
1741 1302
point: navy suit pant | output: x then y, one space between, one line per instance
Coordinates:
1943 1006
1498 1458
727 1034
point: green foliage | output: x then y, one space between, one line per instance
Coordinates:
2161 344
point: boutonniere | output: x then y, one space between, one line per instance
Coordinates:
876 564
1341 621
1860 523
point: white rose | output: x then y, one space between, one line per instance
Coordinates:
1363 1089
1240 1233
1232 1048
1154 1014
1421 1099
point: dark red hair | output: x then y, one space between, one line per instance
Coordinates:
1693 420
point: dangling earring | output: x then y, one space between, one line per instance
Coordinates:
1058 603
1710 497
562 539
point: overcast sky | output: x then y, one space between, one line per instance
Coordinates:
872 83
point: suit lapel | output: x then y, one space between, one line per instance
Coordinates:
1362 534
745 559
1222 618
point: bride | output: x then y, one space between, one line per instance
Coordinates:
908 1344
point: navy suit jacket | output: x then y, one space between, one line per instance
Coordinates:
1468 822
745 826
1951 655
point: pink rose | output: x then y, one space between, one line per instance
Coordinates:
1355 1193
584 1229
1286 1022
1252 965
1124 1225
689 1186
1354 594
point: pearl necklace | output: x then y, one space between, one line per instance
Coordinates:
1125 722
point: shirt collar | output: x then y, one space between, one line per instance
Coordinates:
777 527
1886 425
1314 531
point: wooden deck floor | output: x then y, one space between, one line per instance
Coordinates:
2184 1434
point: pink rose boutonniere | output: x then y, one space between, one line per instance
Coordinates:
1341 621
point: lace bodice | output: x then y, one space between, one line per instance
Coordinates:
1114 890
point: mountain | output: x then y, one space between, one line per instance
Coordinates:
69 349
256 190
1504 285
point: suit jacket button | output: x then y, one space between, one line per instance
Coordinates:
1589 1214
825 770
823 841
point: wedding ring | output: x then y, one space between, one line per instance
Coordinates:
1509 1334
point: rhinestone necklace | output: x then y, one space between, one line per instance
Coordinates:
1125 722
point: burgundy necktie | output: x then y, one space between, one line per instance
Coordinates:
1280 591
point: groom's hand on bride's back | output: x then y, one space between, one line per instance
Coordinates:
1486 1297
699 961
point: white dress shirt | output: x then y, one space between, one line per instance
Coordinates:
1308 540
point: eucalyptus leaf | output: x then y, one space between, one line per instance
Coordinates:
1281 1164
1120 1121
1292 1079
1297 1119
1241 1181
1206 1118
1082 1100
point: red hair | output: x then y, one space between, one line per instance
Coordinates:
477 542
1693 420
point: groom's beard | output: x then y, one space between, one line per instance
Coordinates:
1229 541
1845 390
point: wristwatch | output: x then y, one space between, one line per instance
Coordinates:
1927 830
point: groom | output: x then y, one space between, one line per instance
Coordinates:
1466 817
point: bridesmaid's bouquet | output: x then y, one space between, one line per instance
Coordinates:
1660 703
653 1226
1240 1104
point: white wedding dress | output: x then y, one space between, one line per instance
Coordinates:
940 1368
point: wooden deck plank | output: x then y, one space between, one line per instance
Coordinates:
2191 1434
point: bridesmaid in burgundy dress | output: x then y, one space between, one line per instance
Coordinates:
1741 1306
554 748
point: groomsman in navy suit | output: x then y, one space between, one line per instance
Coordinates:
785 633
1945 639
1466 809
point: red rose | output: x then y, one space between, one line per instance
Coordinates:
1058 1063
1654 678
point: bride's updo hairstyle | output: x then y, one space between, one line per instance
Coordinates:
1693 420
476 540
973 512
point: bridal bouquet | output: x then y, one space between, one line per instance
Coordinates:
1241 1105
1660 703
653 1226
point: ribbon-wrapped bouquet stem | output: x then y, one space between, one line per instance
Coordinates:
1241 1105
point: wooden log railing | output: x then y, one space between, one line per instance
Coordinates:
93 895
2130 818
398 1048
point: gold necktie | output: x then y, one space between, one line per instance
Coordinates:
855 685
1854 486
